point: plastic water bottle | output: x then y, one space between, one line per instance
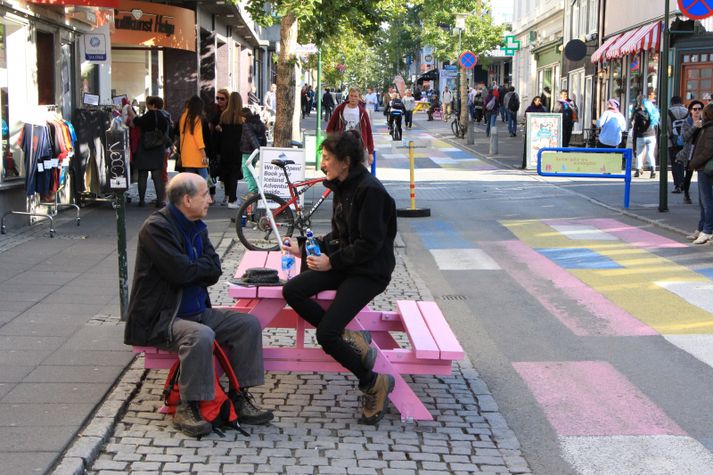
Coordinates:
288 263
311 245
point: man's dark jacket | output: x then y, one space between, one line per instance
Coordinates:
162 270
363 226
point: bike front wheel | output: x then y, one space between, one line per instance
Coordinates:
253 224
455 128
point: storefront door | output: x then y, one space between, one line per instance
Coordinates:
696 81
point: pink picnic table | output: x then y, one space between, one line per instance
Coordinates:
433 346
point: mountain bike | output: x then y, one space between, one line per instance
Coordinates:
252 222
457 128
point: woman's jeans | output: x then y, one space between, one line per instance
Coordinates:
198 171
645 147
354 292
705 199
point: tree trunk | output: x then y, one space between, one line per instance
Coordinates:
286 81
464 98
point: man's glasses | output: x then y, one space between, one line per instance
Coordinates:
696 108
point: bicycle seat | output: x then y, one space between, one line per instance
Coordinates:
282 163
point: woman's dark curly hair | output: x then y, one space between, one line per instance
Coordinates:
346 146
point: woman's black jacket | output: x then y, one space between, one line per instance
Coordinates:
363 226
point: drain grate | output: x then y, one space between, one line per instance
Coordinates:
453 297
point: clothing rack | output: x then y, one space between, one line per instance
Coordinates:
84 193
39 116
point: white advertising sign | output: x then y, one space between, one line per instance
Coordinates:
272 178
544 130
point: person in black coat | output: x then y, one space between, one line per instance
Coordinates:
150 158
231 159
170 307
356 260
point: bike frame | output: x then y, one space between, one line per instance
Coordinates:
296 190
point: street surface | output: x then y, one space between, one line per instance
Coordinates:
587 329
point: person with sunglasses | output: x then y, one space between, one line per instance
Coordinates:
213 149
702 153
690 127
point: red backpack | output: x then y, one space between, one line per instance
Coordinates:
220 412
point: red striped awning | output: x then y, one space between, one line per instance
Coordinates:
86 3
615 51
598 55
646 38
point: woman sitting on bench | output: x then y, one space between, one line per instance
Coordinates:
356 259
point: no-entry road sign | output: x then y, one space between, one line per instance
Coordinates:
468 59
696 9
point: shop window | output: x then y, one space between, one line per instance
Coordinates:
13 94
45 68
652 74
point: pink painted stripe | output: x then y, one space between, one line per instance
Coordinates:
591 398
599 316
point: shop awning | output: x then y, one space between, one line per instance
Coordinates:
598 55
615 51
646 38
431 75
85 3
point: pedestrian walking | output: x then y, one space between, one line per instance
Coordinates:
352 115
645 121
271 100
170 308
565 107
502 92
356 259
492 108
304 101
372 103
327 104
435 104
231 125
409 105
689 131
479 105
447 101
151 152
511 102
612 125
677 115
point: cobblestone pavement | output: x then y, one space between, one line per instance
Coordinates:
315 429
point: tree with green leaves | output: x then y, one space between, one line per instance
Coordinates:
480 35
312 21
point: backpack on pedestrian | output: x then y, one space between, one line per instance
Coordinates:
676 129
642 122
514 103
491 103
220 412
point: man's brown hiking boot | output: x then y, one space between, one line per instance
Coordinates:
248 411
360 340
188 420
375 399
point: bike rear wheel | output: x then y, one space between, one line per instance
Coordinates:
253 224
455 128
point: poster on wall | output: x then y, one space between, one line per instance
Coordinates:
272 178
544 130
448 77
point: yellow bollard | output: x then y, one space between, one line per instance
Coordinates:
412 211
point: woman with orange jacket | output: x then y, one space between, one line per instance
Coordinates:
190 125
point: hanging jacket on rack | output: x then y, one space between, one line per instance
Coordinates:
89 167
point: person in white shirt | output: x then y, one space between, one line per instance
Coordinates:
409 105
271 100
611 126
372 102
447 101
